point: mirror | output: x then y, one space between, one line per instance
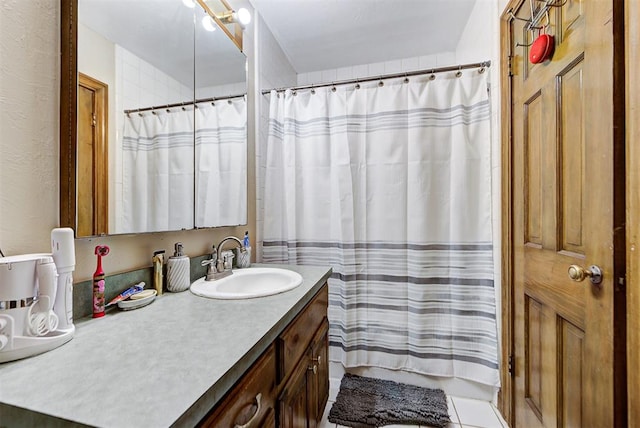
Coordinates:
154 137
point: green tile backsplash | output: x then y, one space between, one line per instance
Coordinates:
117 283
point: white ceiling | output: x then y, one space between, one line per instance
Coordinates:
314 34
168 35
324 34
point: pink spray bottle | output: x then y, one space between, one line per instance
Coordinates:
98 282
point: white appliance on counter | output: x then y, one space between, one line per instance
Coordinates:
36 299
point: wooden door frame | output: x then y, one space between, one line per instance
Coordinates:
632 96
100 153
627 310
506 398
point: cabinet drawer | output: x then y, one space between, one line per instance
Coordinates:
293 342
240 406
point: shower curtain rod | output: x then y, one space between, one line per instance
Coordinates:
386 76
186 103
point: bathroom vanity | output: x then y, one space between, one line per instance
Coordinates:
289 382
184 360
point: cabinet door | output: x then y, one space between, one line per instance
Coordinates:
319 376
294 342
251 401
294 411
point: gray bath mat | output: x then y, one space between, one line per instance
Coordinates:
365 402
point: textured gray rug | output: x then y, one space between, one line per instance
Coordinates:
365 402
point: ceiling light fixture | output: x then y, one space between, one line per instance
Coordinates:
189 3
242 17
229 21
208 24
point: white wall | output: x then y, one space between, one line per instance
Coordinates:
443 59
29 87
29 140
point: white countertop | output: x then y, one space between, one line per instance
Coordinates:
162 365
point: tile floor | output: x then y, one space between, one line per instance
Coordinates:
464 413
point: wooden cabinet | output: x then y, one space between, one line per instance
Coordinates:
288 386
303 366
305 394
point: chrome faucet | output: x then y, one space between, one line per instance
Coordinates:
219 266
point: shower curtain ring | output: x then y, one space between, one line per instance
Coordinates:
433 75
459 73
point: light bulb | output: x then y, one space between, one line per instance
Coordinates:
189 3
244 16
208 24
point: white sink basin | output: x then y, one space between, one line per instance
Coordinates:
248 283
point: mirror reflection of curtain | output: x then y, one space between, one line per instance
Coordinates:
221 163
158 171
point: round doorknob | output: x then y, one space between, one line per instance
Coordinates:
578 273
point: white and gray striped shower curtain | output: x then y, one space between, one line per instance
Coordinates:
391 186
157 171
221 163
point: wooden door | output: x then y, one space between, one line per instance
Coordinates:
92 158
565 177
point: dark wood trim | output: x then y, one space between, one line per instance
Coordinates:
506 396
620 396
68 105
632 280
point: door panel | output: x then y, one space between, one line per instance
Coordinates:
562 214
570 370
572 163
533 175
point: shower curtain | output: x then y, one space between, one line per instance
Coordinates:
157 168
221 163
389 183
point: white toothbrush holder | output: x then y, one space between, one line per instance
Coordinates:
243 257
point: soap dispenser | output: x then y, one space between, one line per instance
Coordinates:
178 270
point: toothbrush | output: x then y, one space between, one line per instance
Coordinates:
98 282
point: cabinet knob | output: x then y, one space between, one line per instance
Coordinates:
317 359
314 369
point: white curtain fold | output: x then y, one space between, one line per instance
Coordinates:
221 163
391 186
158 179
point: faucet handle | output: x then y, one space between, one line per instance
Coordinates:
208 262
